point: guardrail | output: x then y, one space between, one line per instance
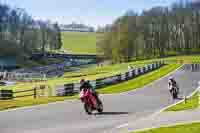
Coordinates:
23 76
72 88
68 56
69 89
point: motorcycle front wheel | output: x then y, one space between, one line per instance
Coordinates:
88 109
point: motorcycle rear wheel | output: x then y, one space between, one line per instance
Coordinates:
100 107
174 95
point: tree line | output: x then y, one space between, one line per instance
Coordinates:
157 32
20 33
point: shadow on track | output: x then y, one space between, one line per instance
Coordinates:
179 98
112 113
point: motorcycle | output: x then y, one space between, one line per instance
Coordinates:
90 102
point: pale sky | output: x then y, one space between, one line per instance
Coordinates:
91 12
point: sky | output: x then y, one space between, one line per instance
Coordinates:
91 12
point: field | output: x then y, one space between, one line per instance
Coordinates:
79 42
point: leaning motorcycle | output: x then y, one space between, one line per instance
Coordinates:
174 92
90 102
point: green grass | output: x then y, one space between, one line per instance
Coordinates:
191 103
141 80
107 70
98 72
90 73
95 72
188 128
79 42
22 102
184 58
110 70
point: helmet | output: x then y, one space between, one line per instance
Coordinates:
82 81
171 79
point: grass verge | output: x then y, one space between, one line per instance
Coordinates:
140 81
11 104
191 103
90 73
188 128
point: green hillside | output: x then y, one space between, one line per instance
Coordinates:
79 42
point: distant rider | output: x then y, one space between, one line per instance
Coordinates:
83 84
172 84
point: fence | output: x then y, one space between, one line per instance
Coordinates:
6 94
36 92
22 76
72 88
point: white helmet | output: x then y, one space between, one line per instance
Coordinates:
171 78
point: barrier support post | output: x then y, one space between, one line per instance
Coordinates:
35 92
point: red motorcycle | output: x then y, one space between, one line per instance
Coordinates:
90 102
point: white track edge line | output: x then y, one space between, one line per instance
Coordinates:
168 125
165 108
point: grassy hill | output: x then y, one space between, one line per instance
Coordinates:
79 42
73 42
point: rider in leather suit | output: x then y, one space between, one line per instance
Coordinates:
87 85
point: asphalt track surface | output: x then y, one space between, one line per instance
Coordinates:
69 116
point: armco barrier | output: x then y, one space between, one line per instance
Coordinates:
69 89
66 90
143 70
133 74
107 81
139 71
136 72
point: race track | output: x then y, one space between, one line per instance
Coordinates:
69 116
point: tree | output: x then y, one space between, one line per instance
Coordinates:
58 37
158 32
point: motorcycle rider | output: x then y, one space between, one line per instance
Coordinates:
172 84
87 85
83 84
